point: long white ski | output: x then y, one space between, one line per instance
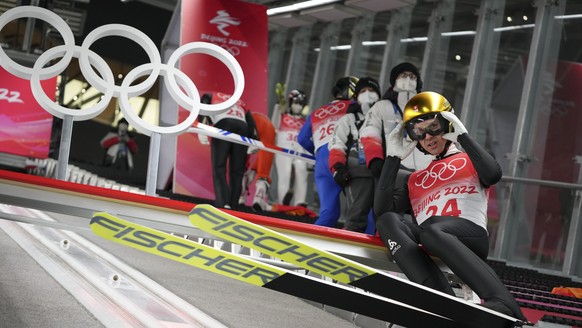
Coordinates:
267 241
236 138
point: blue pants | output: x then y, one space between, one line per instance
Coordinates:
328 190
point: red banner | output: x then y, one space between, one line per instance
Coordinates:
240 28
25 127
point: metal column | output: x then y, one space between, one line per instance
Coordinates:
276 64
482 69
296 68
321 85
394 51
362 31
539 74
571 260
434 62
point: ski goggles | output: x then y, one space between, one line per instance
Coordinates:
433 125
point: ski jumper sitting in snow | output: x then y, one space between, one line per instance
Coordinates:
448 200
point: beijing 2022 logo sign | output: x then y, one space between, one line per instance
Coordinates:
176 80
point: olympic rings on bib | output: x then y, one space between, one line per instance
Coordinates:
181 88
332 109
439 172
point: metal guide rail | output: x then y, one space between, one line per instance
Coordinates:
82 201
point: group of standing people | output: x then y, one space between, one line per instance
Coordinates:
412 175
245 170
347 137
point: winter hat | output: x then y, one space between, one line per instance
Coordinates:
404 67
367 82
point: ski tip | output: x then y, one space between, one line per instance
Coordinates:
202 207
98 215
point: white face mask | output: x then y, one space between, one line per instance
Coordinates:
368 97
405 84
296 108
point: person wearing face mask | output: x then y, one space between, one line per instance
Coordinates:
288 124
405 82
347 161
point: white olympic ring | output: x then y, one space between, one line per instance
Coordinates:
222 55
291 122
145 127
49 17
56 110
329 110
175 79
132 34
440 171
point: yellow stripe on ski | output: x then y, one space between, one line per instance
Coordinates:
182 250
267 241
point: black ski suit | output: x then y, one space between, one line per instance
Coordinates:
448 202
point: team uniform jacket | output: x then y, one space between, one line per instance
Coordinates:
288 130
238 111
380 120
320 125
345 146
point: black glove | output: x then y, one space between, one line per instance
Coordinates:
376 166
341 175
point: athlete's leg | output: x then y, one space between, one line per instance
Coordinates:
402 239
236 166
327 189
283 167
219 150
463 246
300 184
360 195
265 158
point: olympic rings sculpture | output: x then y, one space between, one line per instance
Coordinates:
175 79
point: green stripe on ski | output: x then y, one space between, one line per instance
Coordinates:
182 250
231 228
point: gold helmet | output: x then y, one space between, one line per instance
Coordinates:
423 106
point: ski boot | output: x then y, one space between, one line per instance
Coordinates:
260 199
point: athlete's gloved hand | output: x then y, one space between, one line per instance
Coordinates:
252 150
458 127
203 139
376 165
341 175
397 145
280 92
